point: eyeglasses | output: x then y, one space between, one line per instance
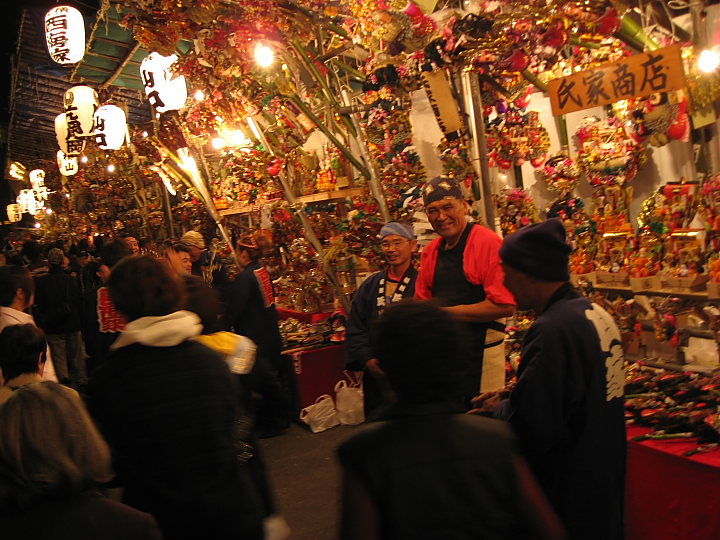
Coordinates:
394 244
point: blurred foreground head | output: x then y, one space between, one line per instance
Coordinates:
49 446
142 286
420 347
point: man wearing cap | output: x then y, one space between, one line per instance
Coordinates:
195 244
388 286
567 407
462 270
57 299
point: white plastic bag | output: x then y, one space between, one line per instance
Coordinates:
349 401
321 415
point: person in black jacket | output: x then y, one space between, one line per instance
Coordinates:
57 300
250 311
426 470
567 408
168 407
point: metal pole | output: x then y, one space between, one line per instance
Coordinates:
708 134
478 146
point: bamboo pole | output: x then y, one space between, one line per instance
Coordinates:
298 210
375 187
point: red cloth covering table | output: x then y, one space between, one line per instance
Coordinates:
302 316
670 496
316 372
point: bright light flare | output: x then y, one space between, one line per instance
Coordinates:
709 60
264 56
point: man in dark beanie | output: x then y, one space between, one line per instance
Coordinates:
567 407
462 270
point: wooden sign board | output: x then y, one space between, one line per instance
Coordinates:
635 76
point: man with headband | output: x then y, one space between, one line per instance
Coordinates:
396 282
462 270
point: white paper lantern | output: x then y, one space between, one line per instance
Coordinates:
14 213
69 145
110 127
81 102
65 34
26 201
163 92
66 164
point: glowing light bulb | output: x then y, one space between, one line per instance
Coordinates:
217 143
238 138
708 61
111 168
48 211
264 56
37 225
199 95
145 134
84 159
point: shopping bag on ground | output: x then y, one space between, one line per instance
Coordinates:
349 400
321 415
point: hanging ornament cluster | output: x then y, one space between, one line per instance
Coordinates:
560 174
608 156
659 119
515 209
517 137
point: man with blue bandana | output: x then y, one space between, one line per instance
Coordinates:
388 286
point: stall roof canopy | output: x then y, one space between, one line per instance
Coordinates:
111 65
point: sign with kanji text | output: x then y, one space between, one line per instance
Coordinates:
635 76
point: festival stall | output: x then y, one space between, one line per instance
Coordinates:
317 121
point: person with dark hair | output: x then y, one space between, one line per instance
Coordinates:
168 408
52 462
567 407
250 311
184 258
130 242
101 322
239 353
23 352
462 270
426 470
33 253
58 308
396 282
17 295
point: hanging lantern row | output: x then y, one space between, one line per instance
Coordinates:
83 119
65 34
29 201
164 92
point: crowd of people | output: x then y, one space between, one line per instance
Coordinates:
133 392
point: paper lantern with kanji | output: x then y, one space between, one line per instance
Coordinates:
69 145
14 213
65 34
68 165
27 202
110 127
81 102
163 92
